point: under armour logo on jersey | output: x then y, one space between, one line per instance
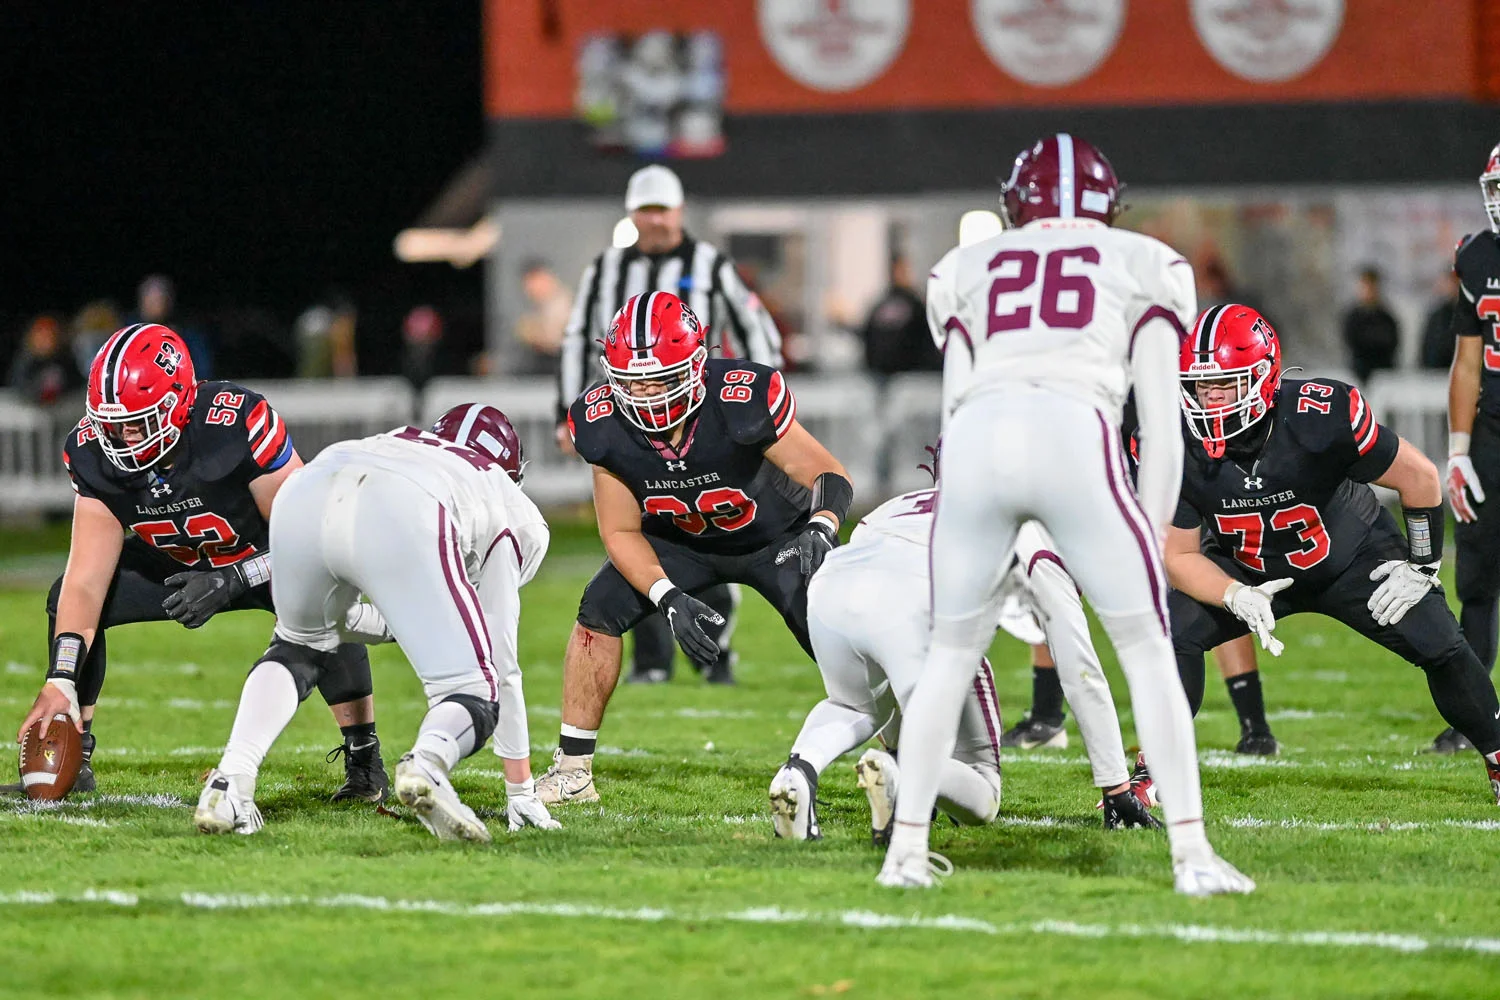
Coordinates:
168 359
160 489
679 466
1254 483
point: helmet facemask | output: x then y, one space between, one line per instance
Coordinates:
660 411
158 435
1489 185
1215 425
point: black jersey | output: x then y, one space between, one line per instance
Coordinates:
1477 264
198 509
715 492
1298 506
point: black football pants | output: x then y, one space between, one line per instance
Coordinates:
136 595
1476 548
1428 636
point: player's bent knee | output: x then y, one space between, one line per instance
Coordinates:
304 663
485 715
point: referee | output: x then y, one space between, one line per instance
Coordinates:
664 259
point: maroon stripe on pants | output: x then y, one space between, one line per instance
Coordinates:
447 546
1154 575
988 706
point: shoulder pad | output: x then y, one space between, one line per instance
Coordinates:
757 404
233 426
592 422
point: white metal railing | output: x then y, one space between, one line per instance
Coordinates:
880 432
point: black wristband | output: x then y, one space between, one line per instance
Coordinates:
833 493
68 651
1424 534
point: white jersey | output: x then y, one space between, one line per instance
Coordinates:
1054 304
487 508
907 517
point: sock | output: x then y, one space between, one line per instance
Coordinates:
1465 698
88 725
359 735
577 742
447 734
830 731
267 704
1046 696
967 795
1249 703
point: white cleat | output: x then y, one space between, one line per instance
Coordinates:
879 776
569 779
1210 876
422 784
794 806
913 869
227 805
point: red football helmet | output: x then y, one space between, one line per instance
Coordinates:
141 390
1489 183
1060 177
656 338
1234 347
486 430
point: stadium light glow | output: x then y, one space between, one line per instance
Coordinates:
977 225
625 234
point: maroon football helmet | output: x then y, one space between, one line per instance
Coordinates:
141 391
1231 345
486 430
655 339
1060 177
1489 183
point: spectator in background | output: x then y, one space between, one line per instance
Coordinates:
1217 287
895 333
91 328
1437 331
156 302
325 338
421 334
1370 331
43 369
539 330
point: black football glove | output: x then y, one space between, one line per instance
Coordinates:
684 613
197 597
816 541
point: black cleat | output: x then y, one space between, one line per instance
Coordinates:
1031 734
1450 740
651 675
1126 811
85 780
1258 745
364 773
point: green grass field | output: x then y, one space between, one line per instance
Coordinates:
1377 864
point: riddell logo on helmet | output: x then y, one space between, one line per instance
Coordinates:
111 409
1204 367
643 364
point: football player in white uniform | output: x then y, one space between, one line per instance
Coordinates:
869 608
1046 326
432 527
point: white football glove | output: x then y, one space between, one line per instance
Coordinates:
1252 605
1464 491
1404 584
523 808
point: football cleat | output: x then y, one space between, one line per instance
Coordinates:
1126 811
422 784
1493 768
650 675
913 869
227 805
569 779
1209 875
879 776
1258 744
794 801
364 773
1450 740
85 781
1033 734
1141 785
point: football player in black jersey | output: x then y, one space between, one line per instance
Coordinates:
1474 435
175 480
1275 470
702 476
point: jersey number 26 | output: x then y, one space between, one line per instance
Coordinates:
1066 301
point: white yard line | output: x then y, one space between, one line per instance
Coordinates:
1191 934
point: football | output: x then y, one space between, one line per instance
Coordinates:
50 762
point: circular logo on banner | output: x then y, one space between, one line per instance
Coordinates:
1048 43
834 44
1268 41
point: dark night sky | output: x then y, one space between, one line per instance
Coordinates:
257 152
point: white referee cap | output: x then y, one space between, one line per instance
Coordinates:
653 185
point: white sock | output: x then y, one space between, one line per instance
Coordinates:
447 734
831 730
929 727
967 795
267 703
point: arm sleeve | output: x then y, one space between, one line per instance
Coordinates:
1374 444
499 592
573 362
755 334
1153 363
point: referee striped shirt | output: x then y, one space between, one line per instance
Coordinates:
699 273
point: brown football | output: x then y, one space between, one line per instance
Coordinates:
50 762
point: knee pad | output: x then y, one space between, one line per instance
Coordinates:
304 663
483 713
346 675
610 605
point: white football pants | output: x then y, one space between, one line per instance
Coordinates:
341 532
1021 454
